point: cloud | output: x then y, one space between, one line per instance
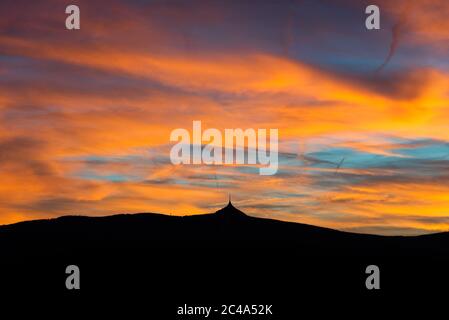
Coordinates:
396 35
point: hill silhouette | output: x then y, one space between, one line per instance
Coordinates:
212 257
228 227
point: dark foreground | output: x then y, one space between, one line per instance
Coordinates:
147 266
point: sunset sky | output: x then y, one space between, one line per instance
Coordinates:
86 115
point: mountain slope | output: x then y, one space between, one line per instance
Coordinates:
228 227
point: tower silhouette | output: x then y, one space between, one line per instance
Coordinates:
230 211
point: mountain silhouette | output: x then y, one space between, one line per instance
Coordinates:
208 255
227 227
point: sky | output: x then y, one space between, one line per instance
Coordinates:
363 115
